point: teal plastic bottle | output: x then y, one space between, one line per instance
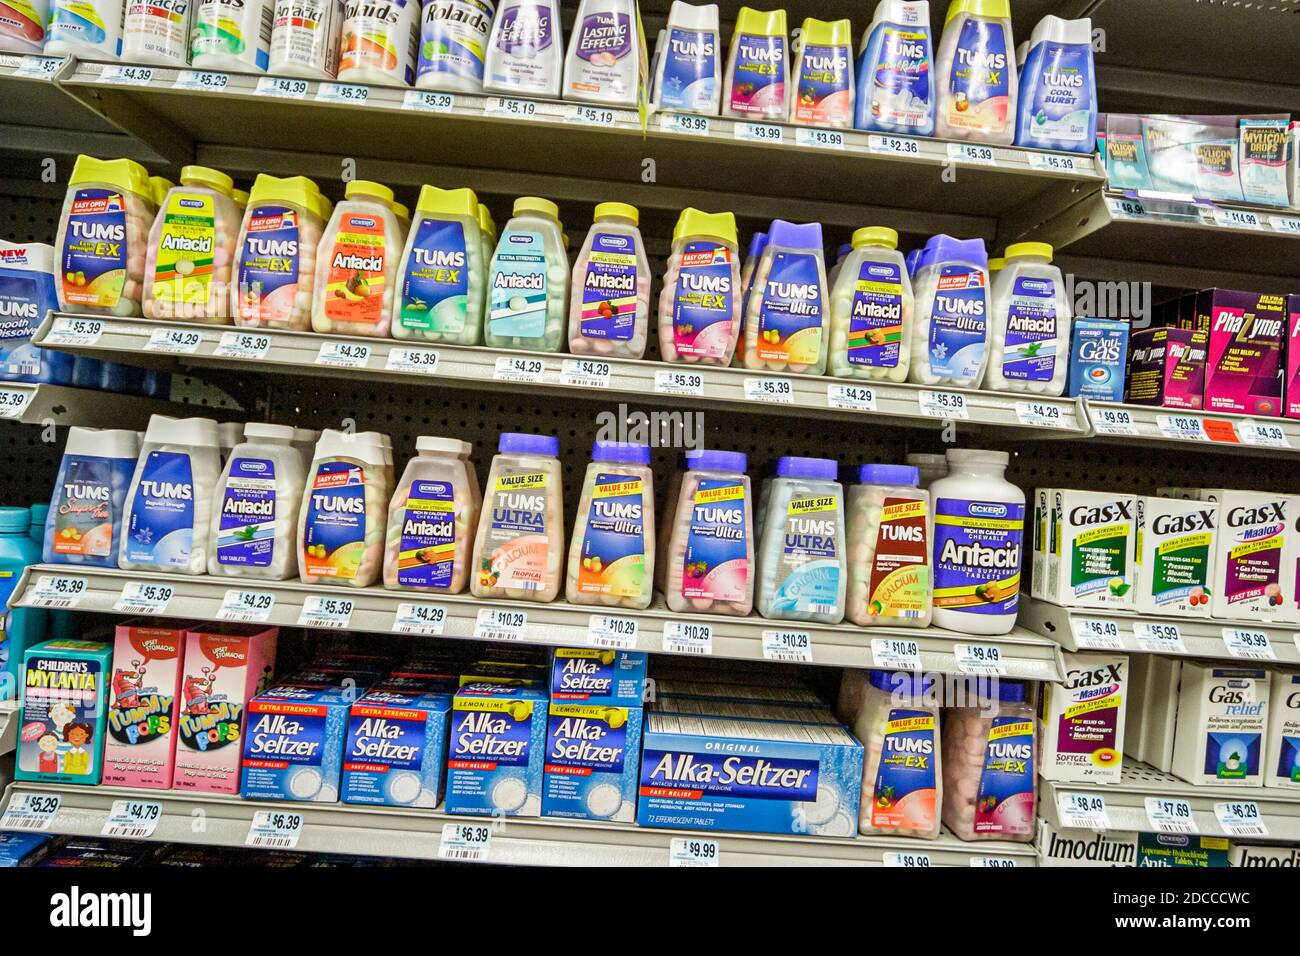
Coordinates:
60 624
24 626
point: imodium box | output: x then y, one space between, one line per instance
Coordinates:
591 761
1098 360
65 696
1083 720
596 676
1090 560
1175 556
1258 855
1222 719
396 751
1086 848
497 750
293 747
1282 745
140 748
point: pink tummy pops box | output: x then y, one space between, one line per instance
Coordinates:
140 743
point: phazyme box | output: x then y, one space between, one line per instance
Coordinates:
1167 368
591 761
294 746
1098 360
1292 378
595 676
1243 369
497 750
750 776
140 747
396 751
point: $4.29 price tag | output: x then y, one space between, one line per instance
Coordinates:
248 607
343 354
587 373
427 619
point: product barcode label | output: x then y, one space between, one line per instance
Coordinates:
760 132
1170 815
1250 644
67 330
1182 427
428 101
56 591
1041 415
858 398
343 354
985 659
132 819
13 402
819 138
973 154
322 610
1159 637
516 368
426 619
1096 635
673 382
1112 421
893 146
792 647
586 373
896 653
420 361
144 597
1262 434
246 607
777 391
1241 818
1085 811
176 341
690 124
243 345
274 830
281 86
688 637
608 630
943 404
343 93
31 811
693 851
201 80
465 842
500 624
909 859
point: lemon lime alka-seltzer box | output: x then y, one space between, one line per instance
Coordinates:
592 761
65 700
497 750
1090 560
592 675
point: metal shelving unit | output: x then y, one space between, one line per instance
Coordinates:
61 405
412 834
1194 431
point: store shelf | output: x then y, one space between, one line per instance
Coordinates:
8 726
415 834
1126 802
1080 630
375 610
1194 431
42 404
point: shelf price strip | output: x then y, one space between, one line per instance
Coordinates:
32 812
246 607
274 830
1170 815
56 591
1241 818
465 842
132 819
1083 811
694 852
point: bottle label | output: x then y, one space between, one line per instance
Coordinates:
1030 354
1061 108
604 41
303 32
1005 804
183 262
22 306
758 80
83 517
808 572
334 533
690 67
824 88
78 21
900 92
977 549
159 27
876 320
354 290
609 288
161 530
93 269
372 40
790 315
900 574
453 38
980 81
435 290
904 796
516 553
246 529
220 28
716 564
26 22
958 333
703 303
427 551
268 265
1181 565
613 546
517 305
524 29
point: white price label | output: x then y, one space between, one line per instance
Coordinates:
1113 421
243 345
1236 219
1170 815
910 859
819 138
1182 427
500 624
419 361
608 630
132 819
896 653
1125 208
428 101
144 597
124 75
246 607
694 851
790 647
13 402
343 354
1056 163
776 391
673 382
858 398
1290 225
590 115
321 610
994 862
508 106
274 829
31 811
178 341
69 330
1085 811
585 373
465 842
425 619
516 368
343 93
943 404
201 80
38 67
689 124
983 659
1262 434
281 86
56 591
688 637
973 154
1041 415
760 132
1096 635
1241 818
1250 644
893 146
1159 637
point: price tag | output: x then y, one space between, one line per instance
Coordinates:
896 653
972 154
507 106
775 391
1125 208
673 382
1159 637
516 368
125 75
1055 163
819 138
274 830
343 354
1251 644
56 591
343 93
858 398
760 132
1182 427
692 851
789 647
1262 434
590 115
1085 811
246 607
281 86
688 637
979 659
1236 219
1169 815
1112 421
425 619
132 819
943 404
319 610
465 842
586 373
607 630
243 345
13 402
420 361
911 860
1092 634
994 862
688 124
1289 225
893 146
500 624
179 341
38 67
1040 415
67 330
31 811
201 80
1241 818
427 101
144 597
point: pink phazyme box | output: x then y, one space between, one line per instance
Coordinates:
1247 329
1293 356
226 666
140 747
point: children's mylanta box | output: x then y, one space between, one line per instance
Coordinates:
396 752
293 747
497 750
592 753
140 747
65 697
590 675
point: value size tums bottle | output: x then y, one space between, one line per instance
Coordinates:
888 548
612 552
1029 334
801 558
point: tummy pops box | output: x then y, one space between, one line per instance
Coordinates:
140 746
1244 362
61 730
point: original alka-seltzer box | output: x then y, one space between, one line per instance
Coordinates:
1090 549
140 746
65 697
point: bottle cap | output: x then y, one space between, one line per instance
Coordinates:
827 32
816 468
164 430
443 446
277 434
159 186
485 223
997 265
913 685
518 443
123 173
206 176
402 212
1024 250
365 189
628 453
875 236
618 210
15 520
905 476
977 456
240 196
535 204
1000 9
701 460
795 235
448 202
102 442
717 225
762 22
757 243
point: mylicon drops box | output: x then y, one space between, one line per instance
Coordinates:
140 747
1175 556
1222 719
1090 561
1282 745
61 731
497 750
1083 720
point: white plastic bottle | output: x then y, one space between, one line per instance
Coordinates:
888 548
950 333
823 75
232 35
700 303
978 520
356 263
305 38
872 309
157 31
1029 335
22 28
528 280
898 724
91 29
255 521
989 776
609 313
1058 88
275 255
432 518
786 314
603 62
895 91
930 467
612 552
975 73
801 559
166 523
525 55
758 69
344 509
380 41
688 68
453 44
443 277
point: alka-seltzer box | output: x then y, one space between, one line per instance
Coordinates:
1282 744
1243 369
1291 381
1252 543
1098 360
1090 561
293 745
1083 720
65 698
226 666
140 746
1167 368
396 752
591 761
497 750
1222 719
1175 556
591 675
751 776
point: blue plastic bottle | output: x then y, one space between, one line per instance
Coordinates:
26 295
896 70
1058 88
21 626
84 524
